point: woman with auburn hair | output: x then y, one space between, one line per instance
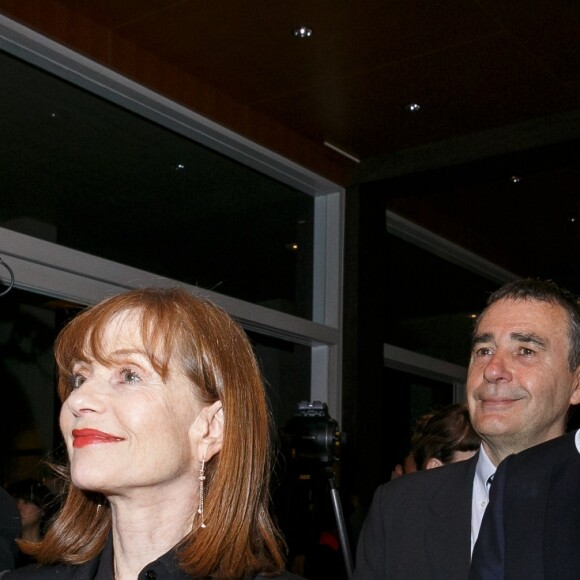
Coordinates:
168 433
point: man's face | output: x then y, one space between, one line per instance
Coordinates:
519 386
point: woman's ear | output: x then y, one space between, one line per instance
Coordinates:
208 431
433 462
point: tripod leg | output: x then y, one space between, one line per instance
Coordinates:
341 527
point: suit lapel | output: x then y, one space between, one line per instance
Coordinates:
448 541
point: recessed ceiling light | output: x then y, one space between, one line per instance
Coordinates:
302 32
413 107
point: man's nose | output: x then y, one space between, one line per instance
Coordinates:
498 368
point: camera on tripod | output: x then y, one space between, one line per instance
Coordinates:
311 437
311 442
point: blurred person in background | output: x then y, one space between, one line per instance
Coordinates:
446 436
35 503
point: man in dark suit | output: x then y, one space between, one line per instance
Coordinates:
524 373
531 529
10 528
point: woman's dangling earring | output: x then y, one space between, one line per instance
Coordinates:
201 480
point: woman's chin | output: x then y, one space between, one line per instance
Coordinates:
89 482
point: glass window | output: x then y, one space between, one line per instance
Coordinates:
432 302
286 370
87 174
28 409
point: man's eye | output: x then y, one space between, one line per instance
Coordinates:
483 351
129 376
526 351
76 381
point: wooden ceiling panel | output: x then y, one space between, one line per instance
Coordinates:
113 14
248 51
548 29
456 96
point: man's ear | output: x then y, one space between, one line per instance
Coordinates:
575 397
208 431
433 462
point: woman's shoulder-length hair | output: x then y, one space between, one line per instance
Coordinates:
216 355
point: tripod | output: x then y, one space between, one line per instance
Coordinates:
312 445
343 536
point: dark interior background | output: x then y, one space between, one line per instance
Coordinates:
489 162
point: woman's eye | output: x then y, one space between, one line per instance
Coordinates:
129 376
76 381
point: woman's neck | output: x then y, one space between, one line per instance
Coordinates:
145 527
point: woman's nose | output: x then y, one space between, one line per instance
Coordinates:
88 398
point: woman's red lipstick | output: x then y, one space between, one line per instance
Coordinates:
84 437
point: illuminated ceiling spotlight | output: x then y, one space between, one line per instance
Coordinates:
413 107
302 32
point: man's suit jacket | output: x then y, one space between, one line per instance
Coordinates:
419 526
531 528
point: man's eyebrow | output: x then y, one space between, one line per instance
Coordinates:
529 338
480 338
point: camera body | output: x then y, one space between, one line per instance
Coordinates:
311 437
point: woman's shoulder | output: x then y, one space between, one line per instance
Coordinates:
284 576
75 573
36 572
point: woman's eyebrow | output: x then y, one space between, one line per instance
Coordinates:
124 352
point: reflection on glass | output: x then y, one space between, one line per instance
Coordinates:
431 303
286 368
27 412
87 174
